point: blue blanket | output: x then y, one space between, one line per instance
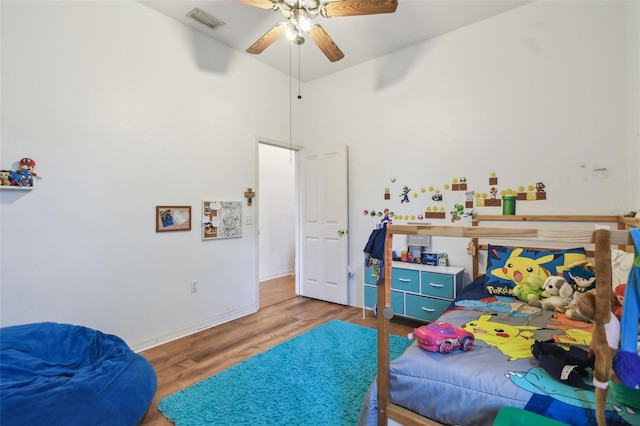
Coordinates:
61 374
500 370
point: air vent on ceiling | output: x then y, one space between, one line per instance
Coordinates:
205 19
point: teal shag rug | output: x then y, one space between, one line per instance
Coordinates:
317 378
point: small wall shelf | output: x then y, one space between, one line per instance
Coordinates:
17 188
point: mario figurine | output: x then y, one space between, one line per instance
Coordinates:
27 165
25 174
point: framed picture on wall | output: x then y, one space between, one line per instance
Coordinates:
173 218
221 219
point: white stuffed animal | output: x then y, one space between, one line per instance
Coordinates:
556 294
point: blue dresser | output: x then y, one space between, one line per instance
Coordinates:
417 291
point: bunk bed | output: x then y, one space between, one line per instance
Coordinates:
430 388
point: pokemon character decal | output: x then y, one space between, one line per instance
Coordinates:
513 341
563 329
518 268
575 332
567 401
509 267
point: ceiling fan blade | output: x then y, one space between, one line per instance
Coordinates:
357 7
269 37
325 43
263 4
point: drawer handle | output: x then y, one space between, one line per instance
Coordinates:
427 309
404 280
436 285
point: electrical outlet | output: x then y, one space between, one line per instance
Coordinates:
194 286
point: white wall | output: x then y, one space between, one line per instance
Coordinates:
530 94
632 28
125 109
277 204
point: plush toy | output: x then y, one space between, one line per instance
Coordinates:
566 293
4 177
24 175
529 291
618 292
583 276
556 294
27 165
18 178
596 306
583 280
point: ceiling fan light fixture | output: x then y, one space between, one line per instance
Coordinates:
298 15
310 4
294 35
304 23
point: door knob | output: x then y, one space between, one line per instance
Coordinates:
341 231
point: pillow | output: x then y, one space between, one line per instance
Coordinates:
621 262
507 267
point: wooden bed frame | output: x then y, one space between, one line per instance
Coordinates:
620 237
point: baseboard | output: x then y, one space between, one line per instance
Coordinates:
357 302
194 328
276 275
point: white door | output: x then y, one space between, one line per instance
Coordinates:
324 247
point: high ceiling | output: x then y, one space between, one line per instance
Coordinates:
361 38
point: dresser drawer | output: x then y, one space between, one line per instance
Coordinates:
438 285
371 297
369 278
425 308
405 280
397 302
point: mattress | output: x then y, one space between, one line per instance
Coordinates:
469 387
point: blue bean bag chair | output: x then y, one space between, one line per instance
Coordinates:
62 374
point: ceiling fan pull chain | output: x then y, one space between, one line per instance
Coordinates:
299 74
290 110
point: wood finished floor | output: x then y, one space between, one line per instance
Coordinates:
282 315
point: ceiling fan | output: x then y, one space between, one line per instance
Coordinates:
300 13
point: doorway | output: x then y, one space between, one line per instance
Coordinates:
277 223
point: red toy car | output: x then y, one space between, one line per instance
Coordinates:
443 337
